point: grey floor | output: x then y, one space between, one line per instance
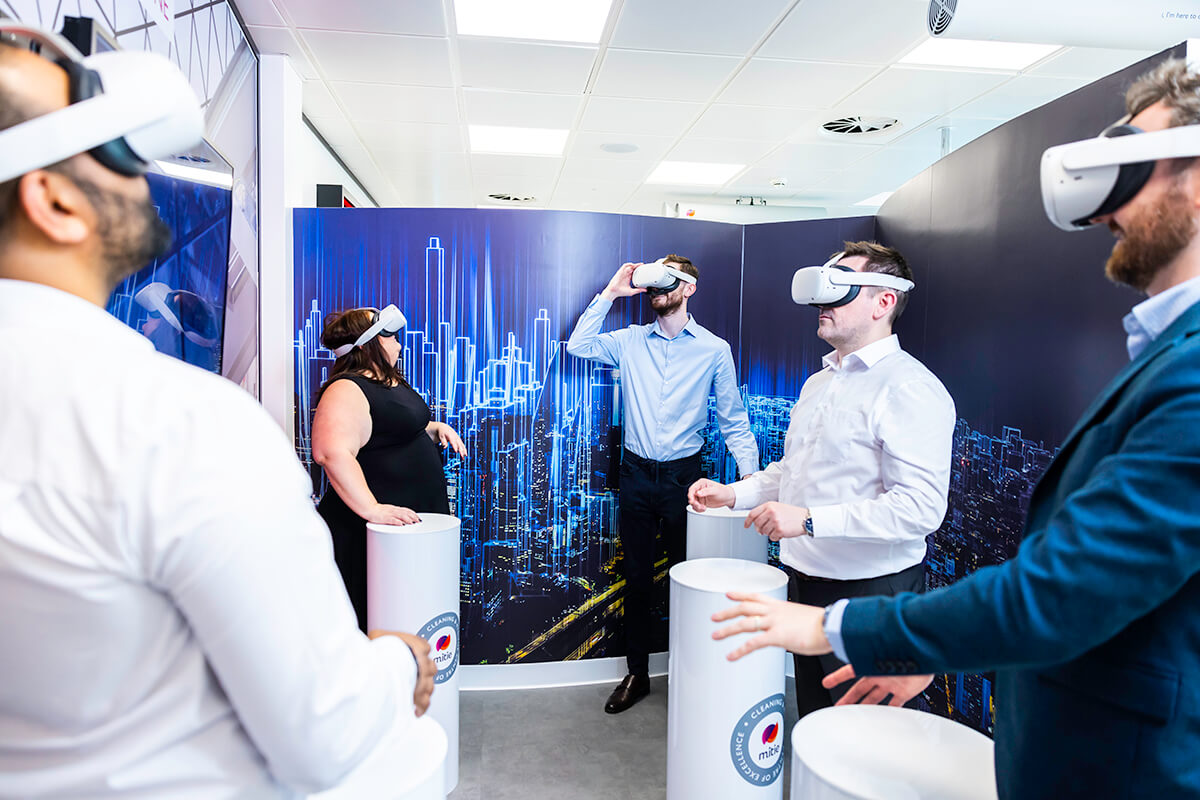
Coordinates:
558 743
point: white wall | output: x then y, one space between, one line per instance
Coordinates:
317 165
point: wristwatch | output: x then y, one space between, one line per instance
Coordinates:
808 528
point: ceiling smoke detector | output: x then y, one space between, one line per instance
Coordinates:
859 124
941 13
505 197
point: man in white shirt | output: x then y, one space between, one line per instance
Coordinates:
866 464
174 625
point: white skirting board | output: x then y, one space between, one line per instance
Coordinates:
490 677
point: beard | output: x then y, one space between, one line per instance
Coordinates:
668 305
1152 239
132 234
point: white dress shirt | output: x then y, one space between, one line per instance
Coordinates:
173 624
665 383
868 453
1146 321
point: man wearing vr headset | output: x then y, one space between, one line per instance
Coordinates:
1093 626
866 461
175 626
668 370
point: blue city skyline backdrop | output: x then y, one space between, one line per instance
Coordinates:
490 306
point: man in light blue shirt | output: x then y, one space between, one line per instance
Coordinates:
668 370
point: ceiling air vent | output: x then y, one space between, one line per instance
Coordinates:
504 197
941 13
859 124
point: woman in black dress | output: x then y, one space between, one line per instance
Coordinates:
374 437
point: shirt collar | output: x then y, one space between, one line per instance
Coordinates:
25 304
868 356
1148 319
690 328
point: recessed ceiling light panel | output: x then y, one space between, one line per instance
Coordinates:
517 141
544 20
977 54
694 173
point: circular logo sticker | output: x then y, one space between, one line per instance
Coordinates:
442 634
756 745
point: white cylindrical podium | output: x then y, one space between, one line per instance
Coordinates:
721 533
886 753
409 765
724 719
412 586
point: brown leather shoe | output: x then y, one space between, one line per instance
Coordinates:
631 689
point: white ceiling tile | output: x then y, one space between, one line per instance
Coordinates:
695 26
413 171
419 17
258 12
281 41
885 171
416 60
1023 93
935 91
626 115
850 31
414 137
719 151
1089 62
670 76
757 181
521 109
583 171
722 121
541 168
649 148
557 69
317 101
794 161
799 84
368 102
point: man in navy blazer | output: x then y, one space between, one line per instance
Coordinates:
1093 627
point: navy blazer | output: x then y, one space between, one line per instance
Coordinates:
1093 627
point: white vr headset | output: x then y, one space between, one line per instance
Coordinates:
187 312
389 321
657 278
1088 179
831 284
126 109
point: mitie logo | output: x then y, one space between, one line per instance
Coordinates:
755 746
442 634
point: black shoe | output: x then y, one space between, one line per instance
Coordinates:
631 689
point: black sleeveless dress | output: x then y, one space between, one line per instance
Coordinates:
403 467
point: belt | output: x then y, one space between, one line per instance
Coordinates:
653 468
818 579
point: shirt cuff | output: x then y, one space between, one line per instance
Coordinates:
747 469
598 303
828 521
745 495
833 628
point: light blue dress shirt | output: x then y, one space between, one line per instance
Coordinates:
1143 324
665 385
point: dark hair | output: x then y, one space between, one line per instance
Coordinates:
685 265
370 361
886 260
1175 86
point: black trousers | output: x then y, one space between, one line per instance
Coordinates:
653 500
810 694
